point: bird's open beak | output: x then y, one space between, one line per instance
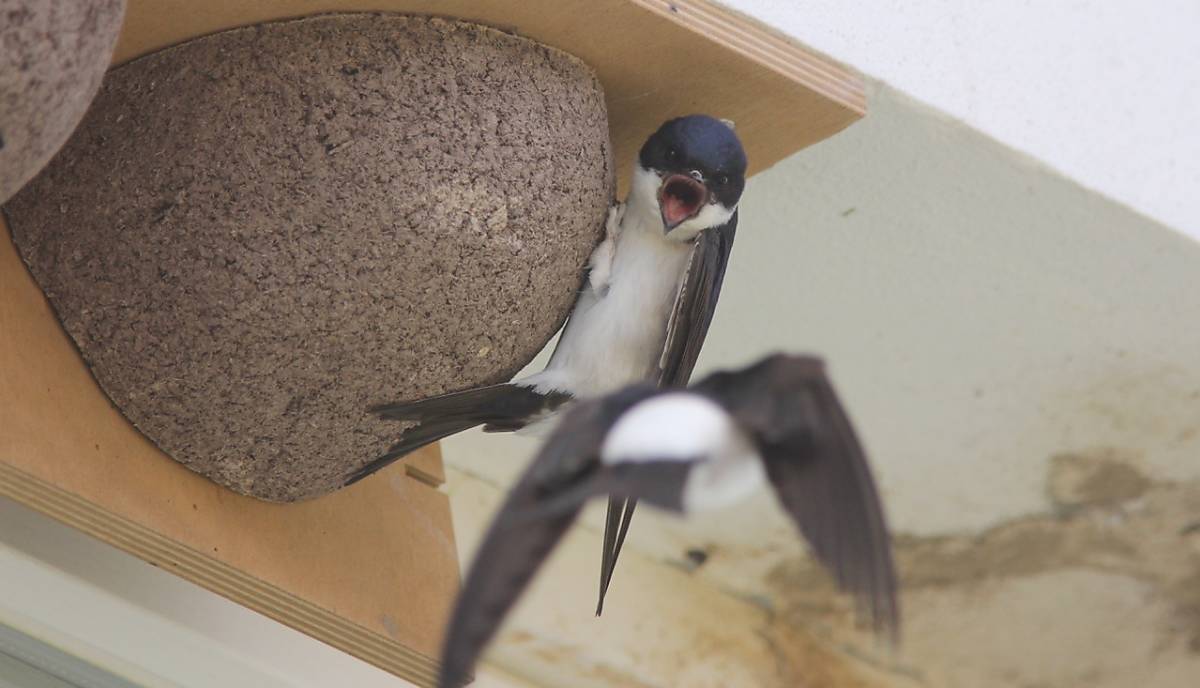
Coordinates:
680 198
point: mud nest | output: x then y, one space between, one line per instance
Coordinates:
255 235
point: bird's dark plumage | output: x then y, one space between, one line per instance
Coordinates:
499 408
703 144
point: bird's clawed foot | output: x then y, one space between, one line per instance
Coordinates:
600 265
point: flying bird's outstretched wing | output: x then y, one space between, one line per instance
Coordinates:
687 327
819 472
544 503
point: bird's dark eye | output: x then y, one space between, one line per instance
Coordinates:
722 179
672 155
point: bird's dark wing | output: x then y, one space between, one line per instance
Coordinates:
695 304
820 474
686 329
544 503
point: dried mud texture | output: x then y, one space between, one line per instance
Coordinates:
52 58
256 235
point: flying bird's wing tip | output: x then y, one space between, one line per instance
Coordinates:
879 611
821 475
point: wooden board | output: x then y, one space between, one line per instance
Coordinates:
656 59
371 569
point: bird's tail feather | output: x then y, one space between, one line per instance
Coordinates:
616 526
462 405
410 441
498 407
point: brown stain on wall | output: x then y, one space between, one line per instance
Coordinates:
1102 477
806 660
1108 516
1186 596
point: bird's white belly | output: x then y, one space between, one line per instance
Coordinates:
616 339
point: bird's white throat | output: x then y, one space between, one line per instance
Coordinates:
643 202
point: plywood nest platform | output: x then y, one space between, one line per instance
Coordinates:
262 228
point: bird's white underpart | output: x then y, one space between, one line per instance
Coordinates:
615 337
645 185
683 426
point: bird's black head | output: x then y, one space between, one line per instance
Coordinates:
699 170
